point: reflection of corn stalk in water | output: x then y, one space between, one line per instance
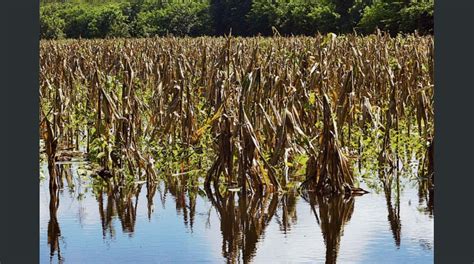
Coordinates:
121 202
288 215
393 212
150 194
243 221
184 191
426 195
261 100
334 213
54 232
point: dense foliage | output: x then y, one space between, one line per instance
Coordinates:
143 18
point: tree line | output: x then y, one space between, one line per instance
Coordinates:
146 18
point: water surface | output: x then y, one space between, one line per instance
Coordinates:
179 222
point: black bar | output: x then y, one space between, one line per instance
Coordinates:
454 132
19 158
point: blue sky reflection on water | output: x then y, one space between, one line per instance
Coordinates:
174 234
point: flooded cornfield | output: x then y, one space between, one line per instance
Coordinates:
179 222
228 149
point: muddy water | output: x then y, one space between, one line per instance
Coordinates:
174 223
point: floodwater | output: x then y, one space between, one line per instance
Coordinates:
172 223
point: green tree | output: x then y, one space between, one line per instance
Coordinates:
418 16
180 19
343 8
217 9
382 14
398 16
265 15
230 14
51 24
141 18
